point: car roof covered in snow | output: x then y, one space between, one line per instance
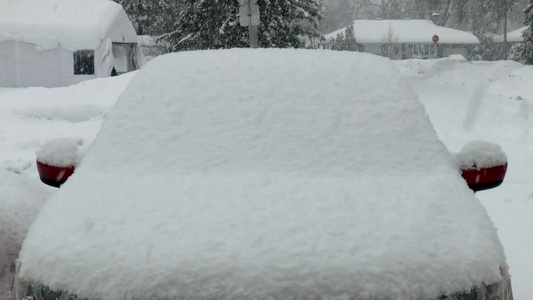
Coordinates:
73 24
255 174
406 31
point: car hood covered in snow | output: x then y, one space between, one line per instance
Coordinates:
265 174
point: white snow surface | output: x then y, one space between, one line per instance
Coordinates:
480 154
33 116
73 24
274 174
516 35
488 101
28 119
62 152
406 31
512 36
20 200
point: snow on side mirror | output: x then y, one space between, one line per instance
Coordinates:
483 165
57 160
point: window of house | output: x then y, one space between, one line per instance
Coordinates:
84 62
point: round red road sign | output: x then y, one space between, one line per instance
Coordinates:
435 38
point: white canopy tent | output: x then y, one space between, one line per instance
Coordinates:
61 42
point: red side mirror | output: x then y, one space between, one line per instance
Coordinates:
483 165
54 175
57 160
479 179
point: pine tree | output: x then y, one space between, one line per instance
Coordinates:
214 24
345 41
527 50
152 17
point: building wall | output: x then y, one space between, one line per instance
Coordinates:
24 65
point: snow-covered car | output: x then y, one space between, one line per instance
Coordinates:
265 174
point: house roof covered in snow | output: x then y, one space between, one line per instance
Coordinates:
73 24
269 174
512 36
406 31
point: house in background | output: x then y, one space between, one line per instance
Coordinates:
62 42
404 39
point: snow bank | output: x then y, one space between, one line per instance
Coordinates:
490 100
515 84
30 117
480 154
62 152
265 174
73 24
457 71
20 200
429 67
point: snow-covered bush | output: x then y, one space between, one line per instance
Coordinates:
345 41
515 52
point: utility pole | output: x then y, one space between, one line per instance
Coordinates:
505 43
250 17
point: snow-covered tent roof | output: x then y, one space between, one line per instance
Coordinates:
73 24
512 36
407 31
268 174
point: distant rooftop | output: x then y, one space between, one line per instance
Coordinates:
407 31
512 36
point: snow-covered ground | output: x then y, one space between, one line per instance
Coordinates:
492 102
465 101
28 119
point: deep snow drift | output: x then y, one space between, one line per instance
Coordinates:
29 118
270 173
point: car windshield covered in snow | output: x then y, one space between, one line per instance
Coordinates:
266 174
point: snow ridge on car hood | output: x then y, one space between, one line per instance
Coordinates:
268 174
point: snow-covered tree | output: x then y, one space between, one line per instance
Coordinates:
515 52
152 17
345 41
389 44
214 24
527 50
